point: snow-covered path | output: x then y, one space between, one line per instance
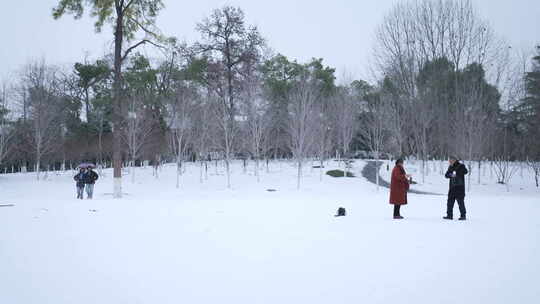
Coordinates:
207 244
369 172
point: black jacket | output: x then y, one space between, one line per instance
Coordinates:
456 173
80 179
90 177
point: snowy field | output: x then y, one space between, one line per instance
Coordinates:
204 243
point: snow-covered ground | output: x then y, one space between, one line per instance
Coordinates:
204 243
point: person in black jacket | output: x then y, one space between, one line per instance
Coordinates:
80 181
456 173
90 179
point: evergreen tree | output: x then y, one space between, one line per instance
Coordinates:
532 101
531 106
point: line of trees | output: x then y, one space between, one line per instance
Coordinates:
448 85
443 84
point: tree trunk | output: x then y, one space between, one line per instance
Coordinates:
228 132
479 170
87 104
100 141
178 171
299 174
423 169
179 153
228 169
38 165
117 104
321 169
133 171
377 169
257 170
201 171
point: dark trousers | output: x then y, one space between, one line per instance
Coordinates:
80 192
396 210
452 198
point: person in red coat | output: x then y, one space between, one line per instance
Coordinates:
399 186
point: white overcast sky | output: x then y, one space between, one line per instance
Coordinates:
340 31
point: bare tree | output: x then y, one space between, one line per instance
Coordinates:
346 109
227 46
139 126
534 166
397 119
181 123
374 117
415 32
256 107
6 129
44 109
323 131
505 169
202 132
303 98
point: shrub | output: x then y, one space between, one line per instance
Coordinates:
339 173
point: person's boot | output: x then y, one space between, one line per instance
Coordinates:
463 218
448 217
398 217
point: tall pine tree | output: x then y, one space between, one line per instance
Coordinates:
128 17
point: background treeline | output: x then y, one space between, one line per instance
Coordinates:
442 84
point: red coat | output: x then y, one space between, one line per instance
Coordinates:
398 186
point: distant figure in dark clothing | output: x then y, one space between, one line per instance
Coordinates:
456 173
399 186
79 182
90 179
341 212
